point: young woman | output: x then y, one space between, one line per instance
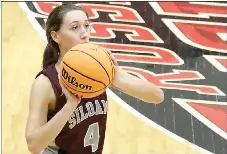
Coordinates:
58 121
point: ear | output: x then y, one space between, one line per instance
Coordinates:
55 36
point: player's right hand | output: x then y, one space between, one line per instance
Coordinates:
71 98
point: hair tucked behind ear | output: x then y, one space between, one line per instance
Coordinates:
54 21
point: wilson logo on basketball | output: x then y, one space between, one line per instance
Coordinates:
72 80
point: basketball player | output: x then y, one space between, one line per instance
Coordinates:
62 123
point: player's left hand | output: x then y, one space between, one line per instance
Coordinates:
113 58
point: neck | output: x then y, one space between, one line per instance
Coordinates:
62 53
61 56
57 65
60 59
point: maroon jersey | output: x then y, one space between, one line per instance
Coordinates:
84 133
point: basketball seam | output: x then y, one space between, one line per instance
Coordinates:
111 62
95 60
78 90
84 75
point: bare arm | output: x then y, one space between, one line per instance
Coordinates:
143 90
39 132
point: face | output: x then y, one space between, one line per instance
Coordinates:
75 29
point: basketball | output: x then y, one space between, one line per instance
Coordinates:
87 70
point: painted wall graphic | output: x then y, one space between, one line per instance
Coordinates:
179 46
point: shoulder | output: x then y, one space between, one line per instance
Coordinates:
41 86
42 81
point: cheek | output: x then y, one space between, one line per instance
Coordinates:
69 39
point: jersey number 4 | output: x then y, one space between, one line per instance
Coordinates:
92 137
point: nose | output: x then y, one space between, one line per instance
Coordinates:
84 34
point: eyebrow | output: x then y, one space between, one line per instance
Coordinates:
78 21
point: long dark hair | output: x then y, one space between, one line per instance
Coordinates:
54 21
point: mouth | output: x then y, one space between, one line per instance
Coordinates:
85 42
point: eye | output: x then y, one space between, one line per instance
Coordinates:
88 26
74 27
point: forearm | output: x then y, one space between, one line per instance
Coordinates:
43 136
143 90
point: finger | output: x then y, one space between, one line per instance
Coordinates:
77 96
60 80
114 60
59 77
64 90
112 57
